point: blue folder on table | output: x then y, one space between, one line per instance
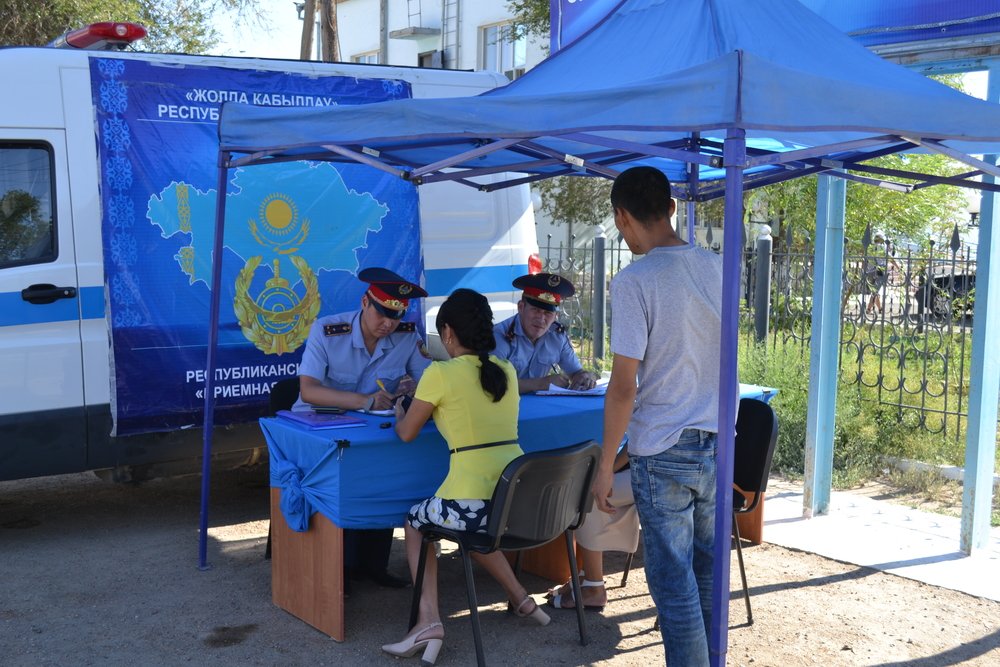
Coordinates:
317 420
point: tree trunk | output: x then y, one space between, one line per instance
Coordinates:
331 43
308 30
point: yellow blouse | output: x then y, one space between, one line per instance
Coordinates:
466 415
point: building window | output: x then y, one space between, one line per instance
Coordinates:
27 228
370 58
500 53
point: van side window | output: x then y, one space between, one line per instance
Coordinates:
27 223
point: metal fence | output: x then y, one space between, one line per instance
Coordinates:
906 332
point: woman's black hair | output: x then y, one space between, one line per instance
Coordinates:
469 315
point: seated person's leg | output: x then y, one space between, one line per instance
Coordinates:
602 532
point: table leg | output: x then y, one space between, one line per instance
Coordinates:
548 561
307 570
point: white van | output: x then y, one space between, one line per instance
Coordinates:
87 274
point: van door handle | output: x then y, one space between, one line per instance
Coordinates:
46 293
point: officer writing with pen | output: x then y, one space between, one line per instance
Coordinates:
535 343
363 360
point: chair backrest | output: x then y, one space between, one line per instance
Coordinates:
284 393
541 495
756 436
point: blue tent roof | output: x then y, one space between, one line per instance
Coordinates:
646 83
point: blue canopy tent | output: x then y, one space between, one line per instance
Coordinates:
722 95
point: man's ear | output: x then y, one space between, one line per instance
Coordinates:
672 208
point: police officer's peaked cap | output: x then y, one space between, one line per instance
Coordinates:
545 290
389 292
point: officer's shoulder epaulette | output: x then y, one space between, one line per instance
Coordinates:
406 327
337 329
558 327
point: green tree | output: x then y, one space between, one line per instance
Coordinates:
575 199
531 18
182 26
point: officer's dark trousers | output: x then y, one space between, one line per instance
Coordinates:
366 552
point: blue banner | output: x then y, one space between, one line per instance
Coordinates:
296 235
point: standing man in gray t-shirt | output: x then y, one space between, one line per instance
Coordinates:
664 389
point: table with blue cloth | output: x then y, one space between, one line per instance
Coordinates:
323 481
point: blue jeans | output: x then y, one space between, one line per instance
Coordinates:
675 495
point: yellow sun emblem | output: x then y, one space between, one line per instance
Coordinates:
278 224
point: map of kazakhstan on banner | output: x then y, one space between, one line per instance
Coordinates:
296 235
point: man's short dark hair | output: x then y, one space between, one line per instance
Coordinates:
644 192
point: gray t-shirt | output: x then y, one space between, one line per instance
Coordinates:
667 310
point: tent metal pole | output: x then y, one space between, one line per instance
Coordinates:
213 338
831 201
732 259
981 430
693 175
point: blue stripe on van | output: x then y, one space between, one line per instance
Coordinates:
16 311
442 282
92 303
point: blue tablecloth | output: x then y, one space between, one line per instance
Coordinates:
365 477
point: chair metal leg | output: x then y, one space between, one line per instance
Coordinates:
418 584
743 573
628 566
577 593
470 589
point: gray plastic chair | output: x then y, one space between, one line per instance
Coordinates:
538 497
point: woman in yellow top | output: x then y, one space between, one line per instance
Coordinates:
474 401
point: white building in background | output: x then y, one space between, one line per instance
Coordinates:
453 34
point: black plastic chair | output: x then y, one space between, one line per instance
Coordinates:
284 393
756 437
538 497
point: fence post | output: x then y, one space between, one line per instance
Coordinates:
762 287
600 293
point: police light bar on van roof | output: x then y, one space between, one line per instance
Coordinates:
106 36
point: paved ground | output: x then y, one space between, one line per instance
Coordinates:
93 573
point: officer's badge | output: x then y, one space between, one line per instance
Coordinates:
422 348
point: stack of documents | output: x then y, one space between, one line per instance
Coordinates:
599 389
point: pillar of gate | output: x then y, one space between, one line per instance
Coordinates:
762 285
984 380
600 292
831 201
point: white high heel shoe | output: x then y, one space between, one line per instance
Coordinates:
428 638
536 613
